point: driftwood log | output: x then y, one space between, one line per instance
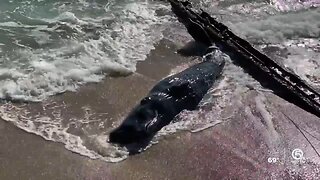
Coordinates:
206 29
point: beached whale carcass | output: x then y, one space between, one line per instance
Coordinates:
168 98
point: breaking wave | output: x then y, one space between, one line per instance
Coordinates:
278 28
59 54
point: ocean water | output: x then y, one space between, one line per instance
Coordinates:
49 48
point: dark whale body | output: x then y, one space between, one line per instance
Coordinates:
166 99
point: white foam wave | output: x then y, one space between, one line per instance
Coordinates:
72 62
289 5
304 59
63 64
51 128
278 28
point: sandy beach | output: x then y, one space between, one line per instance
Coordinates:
236 149
77 59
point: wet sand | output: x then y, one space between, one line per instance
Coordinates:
236 149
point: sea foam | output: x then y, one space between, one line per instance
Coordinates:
79 50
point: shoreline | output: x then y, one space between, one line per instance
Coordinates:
238 148
13 138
